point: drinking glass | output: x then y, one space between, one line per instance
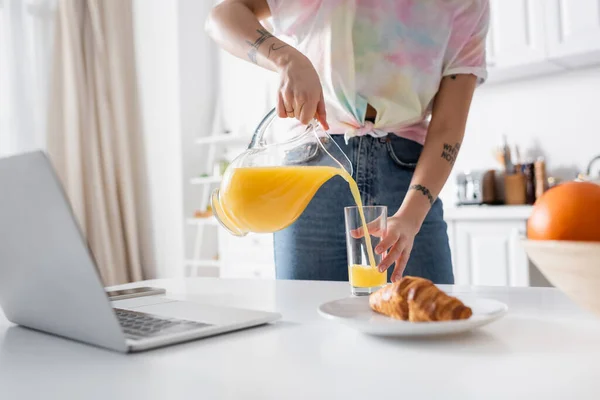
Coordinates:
365 278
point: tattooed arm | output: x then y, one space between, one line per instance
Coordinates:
235 26
446 131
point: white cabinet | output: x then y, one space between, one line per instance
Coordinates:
248 257
485 244
533 37
516 41
520 42
488 253
573 31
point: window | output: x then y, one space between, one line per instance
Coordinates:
4 89
26 33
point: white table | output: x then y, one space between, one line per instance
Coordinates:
546 347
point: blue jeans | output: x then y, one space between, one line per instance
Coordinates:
314 247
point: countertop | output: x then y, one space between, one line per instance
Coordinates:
486 212
545 347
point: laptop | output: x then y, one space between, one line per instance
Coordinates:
49 280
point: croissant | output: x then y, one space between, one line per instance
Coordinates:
417 300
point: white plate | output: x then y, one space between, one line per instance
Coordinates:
356 313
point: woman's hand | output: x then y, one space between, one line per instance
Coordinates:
300 93
398 241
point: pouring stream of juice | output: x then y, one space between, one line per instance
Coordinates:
358 201
268 199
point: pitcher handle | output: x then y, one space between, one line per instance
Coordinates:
259 132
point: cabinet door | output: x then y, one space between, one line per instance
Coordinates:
489 253
453 250
516 36
573 31
516 41
246 257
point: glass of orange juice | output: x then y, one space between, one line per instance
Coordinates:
364 276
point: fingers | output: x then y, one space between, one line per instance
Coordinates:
401 264
304 117
358 232
305 108
301 105
393 255
321 113
288 103
388 241
374 228
280 106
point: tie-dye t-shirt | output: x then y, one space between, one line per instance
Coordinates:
391 54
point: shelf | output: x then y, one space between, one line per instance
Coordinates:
203 263
211 221
223 139
205 180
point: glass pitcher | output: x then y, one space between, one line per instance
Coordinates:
268 186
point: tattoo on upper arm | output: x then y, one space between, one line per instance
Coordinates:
453 77
264 35
275 47
450 152
424 190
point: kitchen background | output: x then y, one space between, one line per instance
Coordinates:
542 95
199 107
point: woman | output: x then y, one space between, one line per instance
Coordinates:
392 81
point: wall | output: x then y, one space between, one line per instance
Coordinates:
177 63
157 53
555 116
197 94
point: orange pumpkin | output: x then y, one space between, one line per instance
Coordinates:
570 211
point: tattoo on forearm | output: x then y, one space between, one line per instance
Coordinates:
450 152
275 47
424 190
264 35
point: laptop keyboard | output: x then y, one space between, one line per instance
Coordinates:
137 325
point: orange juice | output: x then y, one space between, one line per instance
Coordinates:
268 199
365 276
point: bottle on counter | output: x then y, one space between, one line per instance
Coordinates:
528 171
541 182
